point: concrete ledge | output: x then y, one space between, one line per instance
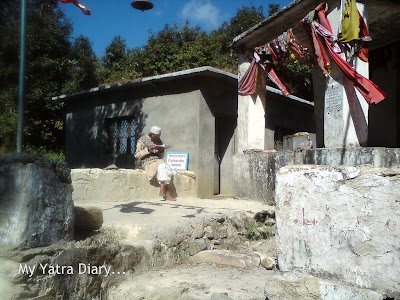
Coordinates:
94 185
255 173
341 223
294 286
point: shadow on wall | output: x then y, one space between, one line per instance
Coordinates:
90 142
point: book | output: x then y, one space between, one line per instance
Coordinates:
162 147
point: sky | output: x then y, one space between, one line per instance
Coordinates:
117 17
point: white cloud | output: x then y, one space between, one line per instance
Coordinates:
202 12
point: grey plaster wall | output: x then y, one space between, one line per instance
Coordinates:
255 173
207 166
221 100
86 136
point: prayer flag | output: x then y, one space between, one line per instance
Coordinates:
85 10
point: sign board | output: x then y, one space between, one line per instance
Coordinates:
334 96
178 160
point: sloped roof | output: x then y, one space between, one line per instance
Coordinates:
383 21
208 71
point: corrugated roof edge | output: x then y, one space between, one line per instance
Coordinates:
265 21
292 97
170 76
145 80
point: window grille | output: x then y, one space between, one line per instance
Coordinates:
122 136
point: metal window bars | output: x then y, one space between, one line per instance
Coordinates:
123 136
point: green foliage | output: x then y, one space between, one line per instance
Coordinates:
177 48
272 9
47 72
114 63
298 77
56 66
42 151
83 73
257 230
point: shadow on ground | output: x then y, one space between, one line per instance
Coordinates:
134 207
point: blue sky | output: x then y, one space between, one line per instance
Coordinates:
117 17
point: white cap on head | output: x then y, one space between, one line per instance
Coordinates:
155 130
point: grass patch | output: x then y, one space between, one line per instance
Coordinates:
257 231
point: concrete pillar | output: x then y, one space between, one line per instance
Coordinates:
251 113
345 110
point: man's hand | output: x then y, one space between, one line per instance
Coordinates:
151 147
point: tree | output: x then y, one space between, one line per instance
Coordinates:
85 64
47 71
114 62
272 8
178 48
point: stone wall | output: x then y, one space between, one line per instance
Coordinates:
91 185
36 207
255 173
340 223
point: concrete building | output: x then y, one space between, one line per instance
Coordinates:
196 108
338 123
340 126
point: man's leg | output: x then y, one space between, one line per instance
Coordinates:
168 194
162 189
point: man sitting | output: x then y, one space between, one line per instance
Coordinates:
150 150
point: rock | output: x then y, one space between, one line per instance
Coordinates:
88 218
187 173
197 245
228 258
341 222
267 262
111 167
260 216
216 232
198 232
36 207
220 296
221 220
294 286
269 222
8 269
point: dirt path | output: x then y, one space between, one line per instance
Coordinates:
194 282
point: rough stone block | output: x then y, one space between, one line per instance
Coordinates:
340 222
88 218
295 286
36 207
198 245
92 185
228 258
255 173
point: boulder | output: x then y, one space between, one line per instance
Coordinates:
198 245
294 286
227 258
341 222
88 218
36 207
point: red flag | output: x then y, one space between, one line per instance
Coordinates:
85 10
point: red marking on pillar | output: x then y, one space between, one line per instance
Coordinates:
295 221
387 223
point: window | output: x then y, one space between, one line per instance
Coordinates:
122 136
